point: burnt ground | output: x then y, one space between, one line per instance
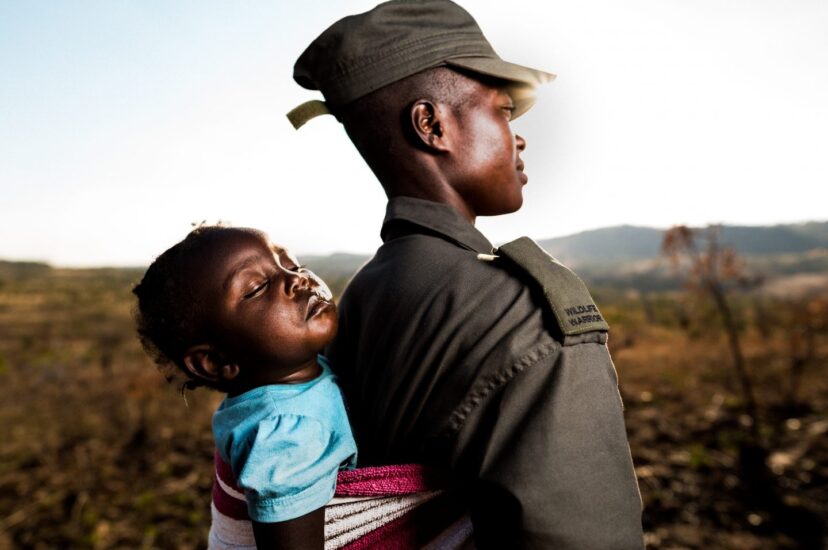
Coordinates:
99 452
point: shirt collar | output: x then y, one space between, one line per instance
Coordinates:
437 217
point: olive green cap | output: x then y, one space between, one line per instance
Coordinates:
365 52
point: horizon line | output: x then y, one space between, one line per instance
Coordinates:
82 265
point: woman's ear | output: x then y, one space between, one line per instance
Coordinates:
429 125
205 363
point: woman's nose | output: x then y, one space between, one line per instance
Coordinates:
520 142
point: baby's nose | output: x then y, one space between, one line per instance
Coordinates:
297 281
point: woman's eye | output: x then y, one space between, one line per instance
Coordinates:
258 289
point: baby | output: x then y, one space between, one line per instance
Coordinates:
238 314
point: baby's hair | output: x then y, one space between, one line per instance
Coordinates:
168 315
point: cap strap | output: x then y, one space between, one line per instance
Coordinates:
306 111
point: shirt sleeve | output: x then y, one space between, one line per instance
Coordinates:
288 467
551 458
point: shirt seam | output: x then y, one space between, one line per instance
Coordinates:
489 384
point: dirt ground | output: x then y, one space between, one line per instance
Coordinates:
98 451
687 435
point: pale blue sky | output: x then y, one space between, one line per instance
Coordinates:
123 121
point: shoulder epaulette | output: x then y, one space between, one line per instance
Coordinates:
565 292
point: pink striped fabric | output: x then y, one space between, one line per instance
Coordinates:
228 504
389 507
400 479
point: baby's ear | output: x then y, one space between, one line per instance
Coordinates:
205 363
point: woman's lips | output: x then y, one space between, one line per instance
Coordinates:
523 177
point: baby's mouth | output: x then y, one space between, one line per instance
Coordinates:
316 304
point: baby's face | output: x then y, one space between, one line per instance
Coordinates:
263 310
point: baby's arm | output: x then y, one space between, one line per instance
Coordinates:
287 470
303 533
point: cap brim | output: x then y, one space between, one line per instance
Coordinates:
524 78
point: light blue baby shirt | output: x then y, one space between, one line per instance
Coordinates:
285 444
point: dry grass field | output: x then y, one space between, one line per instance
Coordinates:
98 451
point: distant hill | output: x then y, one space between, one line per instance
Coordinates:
627 243
629 256
815 230
620 257
335 269
337 262
607 245
21 270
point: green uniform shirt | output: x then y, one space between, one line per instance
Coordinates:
458 360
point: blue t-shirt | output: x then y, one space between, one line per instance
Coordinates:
285 444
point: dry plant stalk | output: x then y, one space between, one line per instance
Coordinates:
707 270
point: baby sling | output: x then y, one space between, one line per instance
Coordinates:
389 507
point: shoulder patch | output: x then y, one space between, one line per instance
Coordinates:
565 292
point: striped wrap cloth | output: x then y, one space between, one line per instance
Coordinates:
388 507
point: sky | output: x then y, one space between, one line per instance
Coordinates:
122 122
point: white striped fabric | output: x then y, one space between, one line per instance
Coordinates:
346 519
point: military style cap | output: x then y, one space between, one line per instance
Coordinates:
365 52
